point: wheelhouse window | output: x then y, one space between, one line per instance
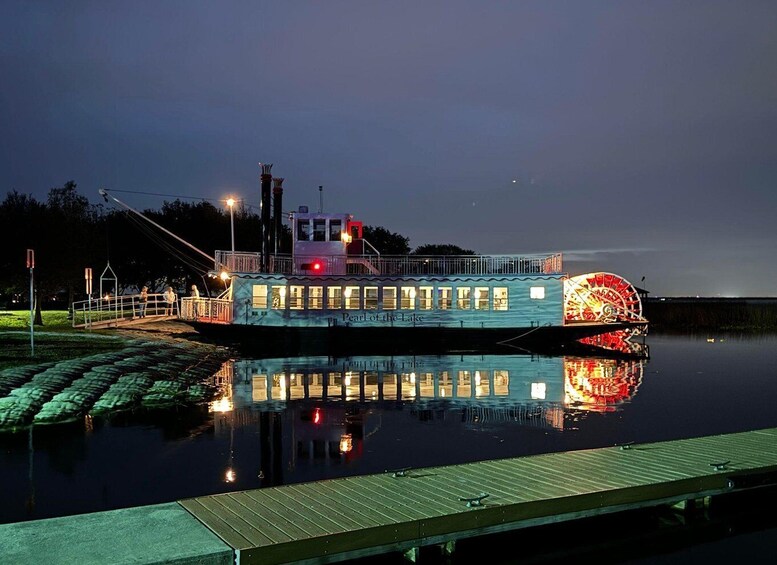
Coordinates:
316 297
370 297
296 297
319 230
537 293
334 297
389 298
444 298
259 296
425 297
352 297
407 298
481 298
303 230
335 230
279 297
500 298
463 298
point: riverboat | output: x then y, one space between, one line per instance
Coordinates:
336 293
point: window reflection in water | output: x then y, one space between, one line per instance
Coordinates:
329 408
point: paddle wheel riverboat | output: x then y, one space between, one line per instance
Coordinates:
336 292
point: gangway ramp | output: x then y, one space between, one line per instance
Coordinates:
122 310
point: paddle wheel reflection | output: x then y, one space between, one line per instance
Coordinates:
601 384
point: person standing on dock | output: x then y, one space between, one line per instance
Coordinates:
142 302
170 299
195 294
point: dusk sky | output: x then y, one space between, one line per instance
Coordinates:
635 137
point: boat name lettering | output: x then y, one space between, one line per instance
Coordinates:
382 317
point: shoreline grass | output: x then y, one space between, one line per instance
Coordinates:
55 340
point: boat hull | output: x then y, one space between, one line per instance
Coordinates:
265 341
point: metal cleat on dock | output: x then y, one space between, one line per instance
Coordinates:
475 500
626 445
721 466
399 472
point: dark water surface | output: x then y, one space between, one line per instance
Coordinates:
296 420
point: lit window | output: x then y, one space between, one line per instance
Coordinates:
334 297
389 298
316 297
500 298
352 297
444 297
407 298
259 298
481 298
296 297
537 292
538 391
463 299
371 298
279 297
425 297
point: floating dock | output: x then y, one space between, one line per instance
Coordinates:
402 510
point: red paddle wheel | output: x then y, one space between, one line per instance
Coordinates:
605 298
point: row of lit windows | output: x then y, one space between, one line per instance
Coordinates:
460 384
319 230
299 297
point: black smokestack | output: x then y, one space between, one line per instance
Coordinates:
277 206
265 208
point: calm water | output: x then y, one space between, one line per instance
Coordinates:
293 420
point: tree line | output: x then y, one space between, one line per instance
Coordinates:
69 234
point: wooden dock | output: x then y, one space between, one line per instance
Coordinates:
404 510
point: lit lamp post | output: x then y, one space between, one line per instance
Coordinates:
231 204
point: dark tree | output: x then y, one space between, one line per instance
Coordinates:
20 214
386 242
441 249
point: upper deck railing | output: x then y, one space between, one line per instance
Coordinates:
396 265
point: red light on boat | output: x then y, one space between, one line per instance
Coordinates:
317 416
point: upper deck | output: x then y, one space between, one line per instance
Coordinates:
333 244
389 265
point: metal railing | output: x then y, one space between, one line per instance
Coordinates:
115 309
213 310
398 265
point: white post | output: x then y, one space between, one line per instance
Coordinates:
31 266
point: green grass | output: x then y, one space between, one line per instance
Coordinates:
53 320
55 340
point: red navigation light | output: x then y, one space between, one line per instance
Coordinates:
317 266
317 417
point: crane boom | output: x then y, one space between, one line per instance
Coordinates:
104 193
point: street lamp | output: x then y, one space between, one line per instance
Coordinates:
231 204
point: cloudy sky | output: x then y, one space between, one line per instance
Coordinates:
635 137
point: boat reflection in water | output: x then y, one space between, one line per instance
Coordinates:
322 410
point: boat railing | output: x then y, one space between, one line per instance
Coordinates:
212 310
239 261
397 265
